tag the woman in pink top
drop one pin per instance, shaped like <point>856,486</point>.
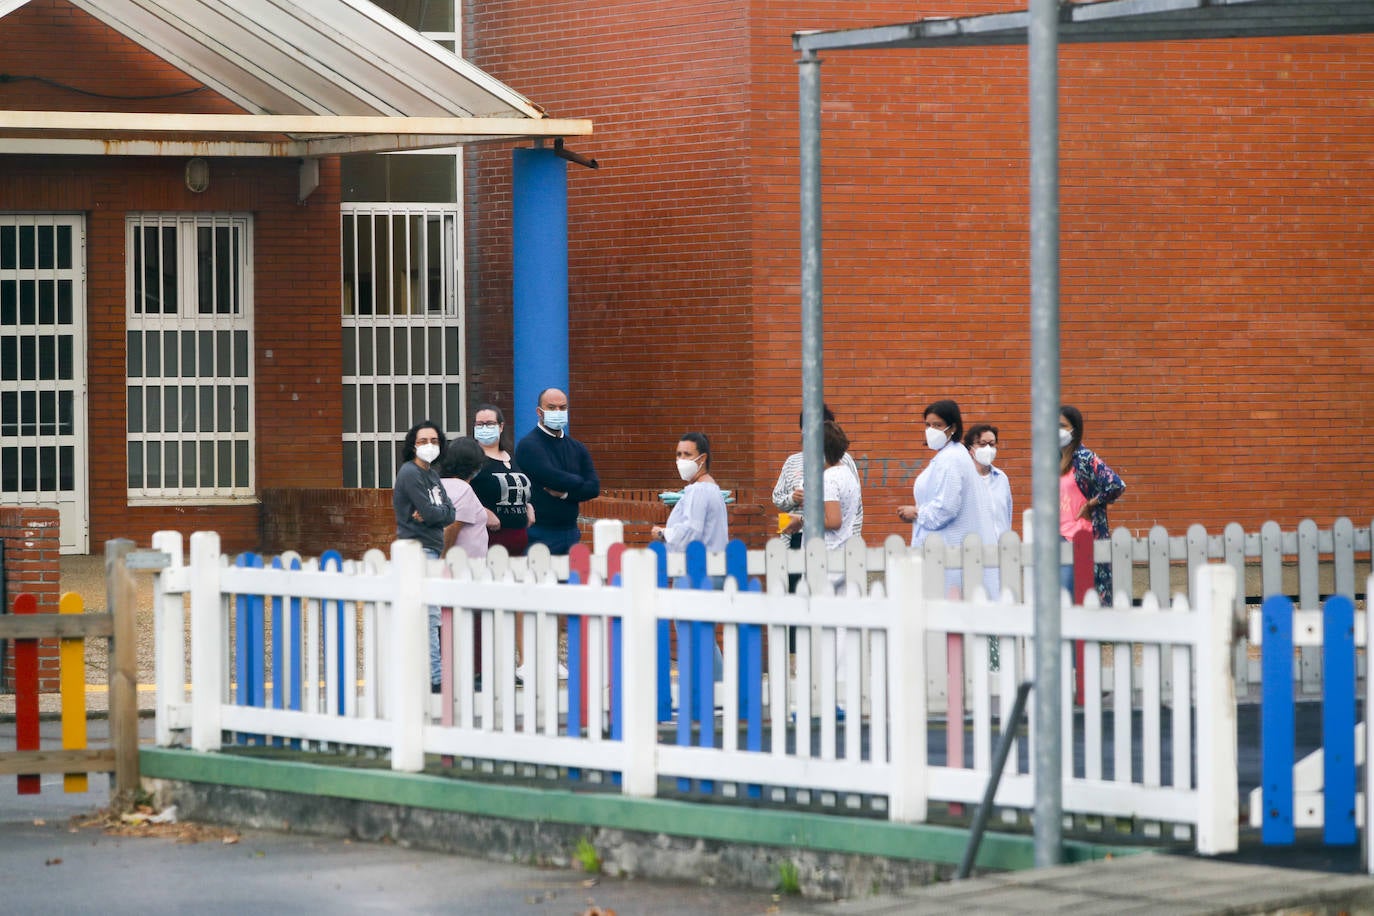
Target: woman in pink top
<point>462,460</point>
<point>1086,487</point>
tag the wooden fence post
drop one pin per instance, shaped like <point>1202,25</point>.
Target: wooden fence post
<point>123,604</point>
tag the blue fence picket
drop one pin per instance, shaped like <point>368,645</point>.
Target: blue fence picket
<point>286,652</point>
<point>665,674</point>
<point>574,675</point>
<point>328,559</point>
<point>257,634</point>
<point>1276,720</point>
<point>250,647</point>
<point>686,678</point>
<point>617,681</point>
<point>750,656</point>
<point>1338,722</point>
<point>242,664</point>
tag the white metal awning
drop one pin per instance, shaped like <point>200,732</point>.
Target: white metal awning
<point>314,77</point>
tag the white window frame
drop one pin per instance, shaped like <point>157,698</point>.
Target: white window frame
<point>233,449</point>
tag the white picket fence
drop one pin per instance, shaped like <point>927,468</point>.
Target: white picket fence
<point>363,686</point>
<point>1307,562</point>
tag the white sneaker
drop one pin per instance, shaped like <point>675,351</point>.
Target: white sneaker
<point>562,672</point>
<point>522,673</point>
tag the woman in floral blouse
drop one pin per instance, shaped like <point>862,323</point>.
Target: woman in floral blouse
<point>1086,487</point>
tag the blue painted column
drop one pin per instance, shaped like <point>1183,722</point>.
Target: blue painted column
<point>539,256</point>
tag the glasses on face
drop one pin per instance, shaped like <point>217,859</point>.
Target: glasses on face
<point>486,426</point>
<point>993,443</point>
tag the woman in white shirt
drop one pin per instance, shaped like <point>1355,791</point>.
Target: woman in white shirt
<point>950,500</point>
<point>981,442</point>
<point>842,493</point>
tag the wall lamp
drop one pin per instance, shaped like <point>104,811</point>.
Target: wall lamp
<point>569,155</point>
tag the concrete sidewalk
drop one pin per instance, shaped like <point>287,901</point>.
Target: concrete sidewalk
<point>1144,883</point>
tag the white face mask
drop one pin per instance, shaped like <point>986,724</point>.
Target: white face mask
<point>936,438</point>
<point>687,468</point>
<point>1065,437</point>
<point>427,452</point>
<point>985,455</point>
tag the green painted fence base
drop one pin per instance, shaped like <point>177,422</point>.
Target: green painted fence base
<point>534,824</point>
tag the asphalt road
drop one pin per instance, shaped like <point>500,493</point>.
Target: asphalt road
<point>50,863</point>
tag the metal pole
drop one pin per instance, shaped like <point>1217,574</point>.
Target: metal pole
<point>999,761</point>
<point>813,380</point>
<point>1044,235</point>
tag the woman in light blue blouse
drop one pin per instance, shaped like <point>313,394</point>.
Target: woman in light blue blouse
<point>700,514</point>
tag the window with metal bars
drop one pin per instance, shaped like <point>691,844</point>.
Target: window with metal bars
<point>402,332</point>
<point>189,349</point>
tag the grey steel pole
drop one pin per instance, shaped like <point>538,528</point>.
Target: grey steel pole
<point>813,376</point>
<point>1044,235</point>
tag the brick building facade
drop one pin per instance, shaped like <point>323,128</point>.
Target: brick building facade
<point>1215,250</point>
<point>1215,255</point>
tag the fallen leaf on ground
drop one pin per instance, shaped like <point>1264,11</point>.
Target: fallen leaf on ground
<point>164,826</point>
<point>53,862</point>
<point>39,822</point>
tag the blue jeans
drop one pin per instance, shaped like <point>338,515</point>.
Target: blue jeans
<point>436,666</point>
<point>558,540</point>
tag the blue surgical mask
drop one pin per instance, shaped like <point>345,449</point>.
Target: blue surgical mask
<point>486,433</point>
<point>555,419</point>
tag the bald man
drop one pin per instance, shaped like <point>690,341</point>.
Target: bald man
<point>560,468</point>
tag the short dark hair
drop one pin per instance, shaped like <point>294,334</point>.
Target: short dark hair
<point>836,442</point>
<point>826,414</point>
<point>539,401</point>
<point>463,458</point>
<point>948,411</point>
<point>976,431</point>
<point>702,443</point>
<point>408,447</point>
<point>500,417</point>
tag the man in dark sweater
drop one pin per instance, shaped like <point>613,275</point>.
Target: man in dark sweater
<point>561,470</point>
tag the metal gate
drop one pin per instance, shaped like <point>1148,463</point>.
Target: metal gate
<point>43,367</point>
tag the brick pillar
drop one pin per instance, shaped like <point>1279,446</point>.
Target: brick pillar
<point>32,549</point>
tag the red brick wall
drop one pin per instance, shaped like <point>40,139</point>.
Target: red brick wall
<point>296,269</point>
<point>658,236</point>
<point>313,520</point>
<point>1215,272</point>
<point>32,545</point>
